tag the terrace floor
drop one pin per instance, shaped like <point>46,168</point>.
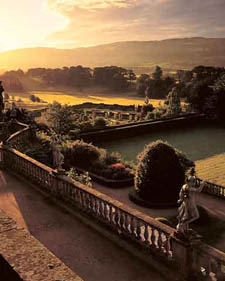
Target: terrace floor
<point>91,255</point>
<point>212,169</point>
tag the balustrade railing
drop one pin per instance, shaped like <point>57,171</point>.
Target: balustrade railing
<point>213,189</point>
<point>208,262</point>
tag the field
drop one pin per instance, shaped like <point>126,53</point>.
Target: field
<point>73,100</point>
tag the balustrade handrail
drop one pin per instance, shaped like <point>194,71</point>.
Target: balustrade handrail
<point>17,135</point>
<point>212,188</point>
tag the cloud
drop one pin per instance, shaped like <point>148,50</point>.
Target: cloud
<point>93,22</point>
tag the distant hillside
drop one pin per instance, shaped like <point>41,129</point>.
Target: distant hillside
<point>171,54</point>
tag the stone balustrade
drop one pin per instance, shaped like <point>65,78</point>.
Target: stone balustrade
<point>208,262</point>
<point>213,189</point>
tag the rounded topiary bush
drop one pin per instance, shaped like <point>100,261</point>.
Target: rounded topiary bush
<point>159,176</point>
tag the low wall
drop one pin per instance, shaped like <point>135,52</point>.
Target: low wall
<point>129,130</point>
<point>23,258</point>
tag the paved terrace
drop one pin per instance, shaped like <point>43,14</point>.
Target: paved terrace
<point>212,169</point>
<point>92,256</point>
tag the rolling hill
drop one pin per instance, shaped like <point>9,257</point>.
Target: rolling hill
<point>171,54</point>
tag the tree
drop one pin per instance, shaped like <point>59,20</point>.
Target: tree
<point>157,75</point>
<point>173,102</point>
<point>199,94</point>
<point>217,101</point>
<point>142,84</point>
<point>59,118</point>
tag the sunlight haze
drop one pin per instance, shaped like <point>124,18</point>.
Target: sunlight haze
<point>79,23</point>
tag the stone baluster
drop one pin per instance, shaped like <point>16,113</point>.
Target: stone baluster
<point>110,214</point>
<point>106,211</point>
<point>132,227</point>
<point>138,229</point>
<point>160,241</point>
<point>126,222</point>
<point>167,246</point>
<point>146,234</point>
<point>122,220</point>
<point>116,217</point>
<point>101,209</point>
<point>152,239</point>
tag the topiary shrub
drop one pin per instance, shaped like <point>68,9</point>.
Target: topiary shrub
<point>159,175</point>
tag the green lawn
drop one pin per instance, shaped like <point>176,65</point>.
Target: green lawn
<point>197,142</point>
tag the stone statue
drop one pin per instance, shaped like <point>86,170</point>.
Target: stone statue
<point>58,157</point>
<point>188,210</point>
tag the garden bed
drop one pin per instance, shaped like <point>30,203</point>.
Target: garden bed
<point>108,182</point>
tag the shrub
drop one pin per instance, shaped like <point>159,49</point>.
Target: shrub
<point>117,172</point>
<point>149,116</point>
<point>114,157</point>
<point>82,154</point>
<point>83,178</point>
<point>100,123</point>
<point>147,108</point>
<point>159,175</point>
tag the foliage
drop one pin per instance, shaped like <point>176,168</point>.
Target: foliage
<point>82,154</point>
<point>59,118</point>
<point>114,77</point>
<point>147,108</point>
<point>159,175</point>
<point>173,102</point>
<point>100,123</point>
<point>83,178</point>
<point>117,171</point>
<point>157,75</point>
<point>113,158</point>
<point>218,99</point>
<point>155,87</point>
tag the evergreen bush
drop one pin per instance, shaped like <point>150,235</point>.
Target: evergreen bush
<point>159,175</point>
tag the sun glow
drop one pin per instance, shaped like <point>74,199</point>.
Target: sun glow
<point>27,23</point>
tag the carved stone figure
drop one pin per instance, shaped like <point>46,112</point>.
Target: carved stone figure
<point>188,210</point>
<point>58,157</point>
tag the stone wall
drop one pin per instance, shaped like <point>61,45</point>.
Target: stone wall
<point>134,129</point>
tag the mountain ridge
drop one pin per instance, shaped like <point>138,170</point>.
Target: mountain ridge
<point>176,53</point>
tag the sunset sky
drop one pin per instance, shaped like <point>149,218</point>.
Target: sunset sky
<point>77,23</point>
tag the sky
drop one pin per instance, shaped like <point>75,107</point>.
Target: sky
<point>80,23</point>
